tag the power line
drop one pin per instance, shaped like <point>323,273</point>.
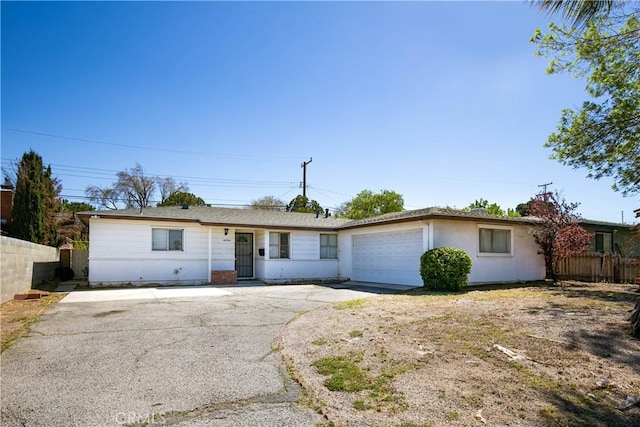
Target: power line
<point>96,173</point>
<point>141,147</point>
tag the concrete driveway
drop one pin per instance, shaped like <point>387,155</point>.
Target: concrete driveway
<point>175,356</point>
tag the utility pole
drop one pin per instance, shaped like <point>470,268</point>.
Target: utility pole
<point>544,191</point>
<point>304,176</point>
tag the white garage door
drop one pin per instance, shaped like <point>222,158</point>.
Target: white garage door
<point>388,257</point>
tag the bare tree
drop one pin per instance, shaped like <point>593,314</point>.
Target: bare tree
<point>106,198</point>
<point>135,187</point>
<point>168,186</point>
<point>268,203</point>
<point>627,245</point>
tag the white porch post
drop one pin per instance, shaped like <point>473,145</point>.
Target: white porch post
<point>427,236</point>
<point>209,256</point>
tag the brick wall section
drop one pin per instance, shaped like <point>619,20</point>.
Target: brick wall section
<point>24,264</point>
<point>224,277</point>
<point>6,205</point>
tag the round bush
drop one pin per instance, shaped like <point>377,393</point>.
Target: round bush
<point>445,269</point>
<point>64,273</point>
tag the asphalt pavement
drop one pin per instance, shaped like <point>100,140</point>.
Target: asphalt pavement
<point>192,356</point>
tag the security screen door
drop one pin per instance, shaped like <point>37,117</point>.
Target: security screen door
<point>244,255</point>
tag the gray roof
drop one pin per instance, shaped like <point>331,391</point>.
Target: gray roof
<point>206,215</point>
<point>438,213</point>
<point>583,221</point>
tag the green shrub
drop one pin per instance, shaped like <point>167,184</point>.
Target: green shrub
<point>445,269</point>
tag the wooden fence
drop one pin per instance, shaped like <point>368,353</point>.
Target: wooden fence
<point>80,263</point>
<point>597,267</point>
<point>77,260</point>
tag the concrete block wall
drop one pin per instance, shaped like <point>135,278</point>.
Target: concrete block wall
<point>24,264</point>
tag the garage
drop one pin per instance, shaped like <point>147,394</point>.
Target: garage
<point>388,257</point>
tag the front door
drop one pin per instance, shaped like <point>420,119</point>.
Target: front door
<point>244,255</point>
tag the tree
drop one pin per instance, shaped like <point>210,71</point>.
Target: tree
<point>302,204</point>
<point>523,208</point>
<point>492,209</point>
<point>135,187</point>
<point>603,135</point>
<point>69,227</point>
<point>168,186</point>
<point>180,198</point>
<point>51,191</point>
<point>367,204</point>
<point>558,235</point>
<point>103,197</point>
<point>513,213</point>
<point>28,204</point>
<point>580,11</point>
<point>73,207</point>
<point>35,202</point>
<point>268,203</point>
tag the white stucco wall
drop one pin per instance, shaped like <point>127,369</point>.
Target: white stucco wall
<point>222,248</point>
<point>523,264</point>
<point>120,253</point>
<point>304,261</point>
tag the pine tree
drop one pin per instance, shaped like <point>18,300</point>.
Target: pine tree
<point>29,200</point>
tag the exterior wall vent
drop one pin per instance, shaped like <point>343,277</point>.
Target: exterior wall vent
<point>185,206</point>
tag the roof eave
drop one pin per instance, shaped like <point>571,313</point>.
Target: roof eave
<point>88,216</point>
<point>430,216</point>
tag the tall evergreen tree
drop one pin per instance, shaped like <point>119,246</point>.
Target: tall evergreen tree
<point>29,206</point>
<point>51,188</point>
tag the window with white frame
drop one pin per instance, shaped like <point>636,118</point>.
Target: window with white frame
<point>278,245</point>
<point>328,246</point>
<point>165,239</point>
<point>494,240</point>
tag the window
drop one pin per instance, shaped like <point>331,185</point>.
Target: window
<point>328,246</point>
<point>163,239</point>
<point>604,241</point>
<point>278,245</point>
<point>495,240</point>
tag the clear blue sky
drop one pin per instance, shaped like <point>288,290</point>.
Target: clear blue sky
<point>442,102</point>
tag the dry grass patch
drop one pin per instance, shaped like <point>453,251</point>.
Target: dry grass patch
<point>427,359</point>
<point>18,316</point>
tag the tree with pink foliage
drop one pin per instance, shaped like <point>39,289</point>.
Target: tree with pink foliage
<point>558,235</point>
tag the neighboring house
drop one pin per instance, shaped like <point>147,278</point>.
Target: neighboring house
<point>611,237</point>
<point>194,245</point>
<point>6,206</point>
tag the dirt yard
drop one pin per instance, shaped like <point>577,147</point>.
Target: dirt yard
<point>523,356</point>
<point>16,317</point>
